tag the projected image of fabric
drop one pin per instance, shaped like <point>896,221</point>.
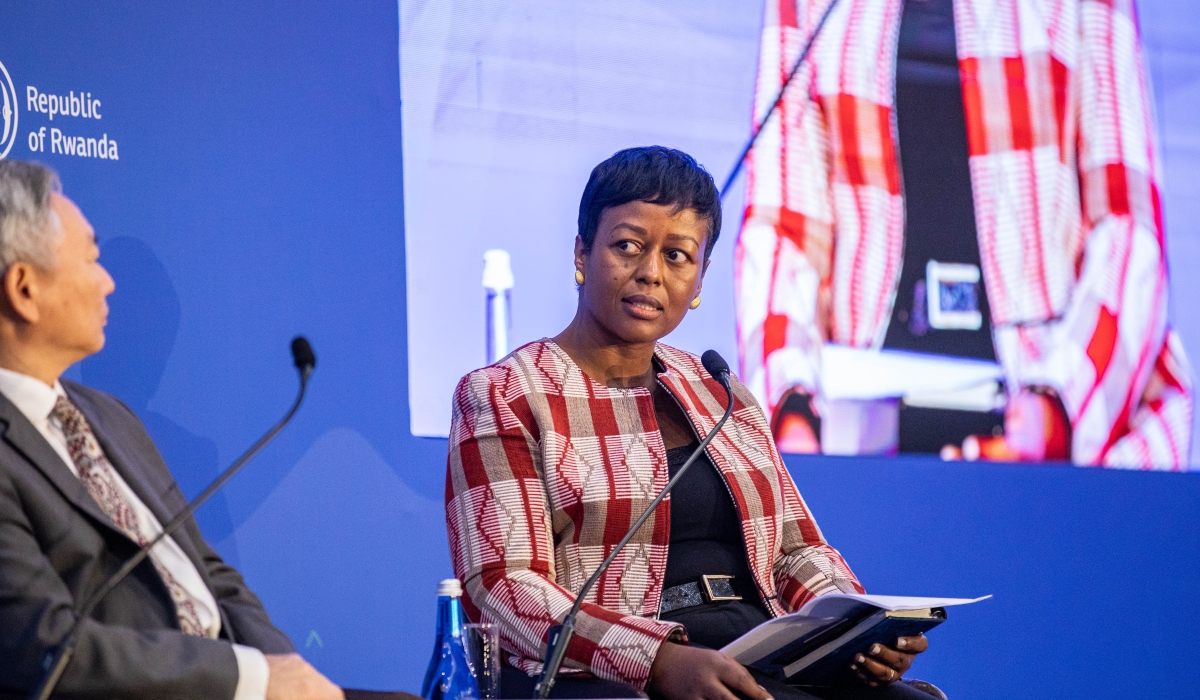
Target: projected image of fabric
<point>1063,171</point>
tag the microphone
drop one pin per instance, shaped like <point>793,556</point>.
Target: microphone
<point>716,365</point>
<point>56,663</point>
<point>560,635</point>
<point>303,357</point>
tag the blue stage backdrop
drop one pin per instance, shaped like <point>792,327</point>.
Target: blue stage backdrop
<point>254,190</point>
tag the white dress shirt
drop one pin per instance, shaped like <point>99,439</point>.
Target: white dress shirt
<point>35,399</point>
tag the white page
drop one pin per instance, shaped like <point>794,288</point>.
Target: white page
<point>821,612</point>
<point>838,604</point>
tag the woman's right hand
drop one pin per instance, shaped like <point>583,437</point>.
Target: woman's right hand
<point>690,673</point>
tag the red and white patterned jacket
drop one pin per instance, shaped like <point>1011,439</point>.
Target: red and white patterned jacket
<point>548,469</point>
<point>1064,170</point>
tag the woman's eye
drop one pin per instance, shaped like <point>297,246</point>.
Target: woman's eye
<point>676,256</point>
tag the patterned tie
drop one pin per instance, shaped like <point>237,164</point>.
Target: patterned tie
<point>100,478</point>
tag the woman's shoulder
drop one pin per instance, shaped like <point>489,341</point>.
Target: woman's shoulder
<point>687,365</point>
<point>505,391</point>
<point>530,368</point>
<point>691,369</point>
<point>682,361</point>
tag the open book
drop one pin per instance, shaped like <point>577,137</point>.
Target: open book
<point>815,644</point>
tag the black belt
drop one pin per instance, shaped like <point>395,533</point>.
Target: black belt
<point>709,589</point>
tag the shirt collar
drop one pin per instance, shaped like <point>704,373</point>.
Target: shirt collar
<point>31,396</point>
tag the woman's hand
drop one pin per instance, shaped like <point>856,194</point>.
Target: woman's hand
<point>882,664</point>
<point>683,672</point>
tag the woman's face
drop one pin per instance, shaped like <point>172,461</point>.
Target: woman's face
<point>645,266</point>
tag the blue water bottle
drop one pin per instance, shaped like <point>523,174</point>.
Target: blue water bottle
<point>449,676</point>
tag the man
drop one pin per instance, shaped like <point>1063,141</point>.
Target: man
<point>1059,257</point>
<point>82,486</point>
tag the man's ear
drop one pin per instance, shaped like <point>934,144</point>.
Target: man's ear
<point>19,290</point>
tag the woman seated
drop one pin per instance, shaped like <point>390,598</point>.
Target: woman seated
<point>556,449</point>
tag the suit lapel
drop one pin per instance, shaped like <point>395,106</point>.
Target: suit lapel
<point>133,469</point>
<point>24,438</point>
<point>126,464</point>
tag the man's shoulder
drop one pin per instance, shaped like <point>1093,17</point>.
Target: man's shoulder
<point>109,416</point>
<point>97,400</point>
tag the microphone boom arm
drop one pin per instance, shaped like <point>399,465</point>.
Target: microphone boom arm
<point>556,650</point>
<point>741,159</point>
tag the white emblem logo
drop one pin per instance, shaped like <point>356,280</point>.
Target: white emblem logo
<point>8,112</point>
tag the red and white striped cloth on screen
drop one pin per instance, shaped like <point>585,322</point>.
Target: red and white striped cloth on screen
<point>1065,172</point>
<point>548,469</point>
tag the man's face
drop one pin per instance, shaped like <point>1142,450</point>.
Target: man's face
<point>72,310</point>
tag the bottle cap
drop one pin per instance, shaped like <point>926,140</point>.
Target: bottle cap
<point>450,587</point>
<point>497,270</point>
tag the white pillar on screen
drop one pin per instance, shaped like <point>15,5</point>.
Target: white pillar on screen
<point>498,281</point>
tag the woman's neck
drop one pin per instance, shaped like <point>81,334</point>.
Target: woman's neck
<point>606,359</point>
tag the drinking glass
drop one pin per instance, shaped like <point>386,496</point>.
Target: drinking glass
<point>483,655</point>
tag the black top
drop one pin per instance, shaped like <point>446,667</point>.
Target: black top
<point>939,209</point>
<point>706,538</point>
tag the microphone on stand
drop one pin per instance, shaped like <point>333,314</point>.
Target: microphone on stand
<point>56,663</point>
<point>560,635</point>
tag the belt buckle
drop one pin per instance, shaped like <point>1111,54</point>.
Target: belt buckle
<point>723,582</point>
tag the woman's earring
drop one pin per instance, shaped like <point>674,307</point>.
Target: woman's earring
<point>695,303</point>
<point>579,277</point>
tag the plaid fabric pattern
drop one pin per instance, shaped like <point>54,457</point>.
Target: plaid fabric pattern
<point>1064,169</point>
<point>548,469</point>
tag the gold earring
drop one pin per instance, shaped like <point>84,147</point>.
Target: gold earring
<point>695,303</point>
<point>579,277</point>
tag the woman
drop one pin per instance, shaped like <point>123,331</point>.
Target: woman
<point>556,449</point>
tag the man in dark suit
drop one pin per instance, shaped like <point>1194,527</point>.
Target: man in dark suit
<point>82,486</point>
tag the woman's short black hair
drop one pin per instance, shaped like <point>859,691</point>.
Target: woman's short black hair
<point>652,174</point>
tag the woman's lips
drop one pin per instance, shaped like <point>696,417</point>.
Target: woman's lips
<point>642,307</point>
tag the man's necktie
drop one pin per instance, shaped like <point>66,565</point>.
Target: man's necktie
<point>100,478</point>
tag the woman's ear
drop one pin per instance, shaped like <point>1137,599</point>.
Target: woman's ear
<point>580,254</point>
<point>700,282</point>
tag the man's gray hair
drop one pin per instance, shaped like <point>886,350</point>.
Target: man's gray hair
<point>29,227</point>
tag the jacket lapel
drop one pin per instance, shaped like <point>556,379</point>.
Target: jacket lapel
<point>704,405</point>
<point>24,438</point>
<point>126,464</point>
<point>132,468</point>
